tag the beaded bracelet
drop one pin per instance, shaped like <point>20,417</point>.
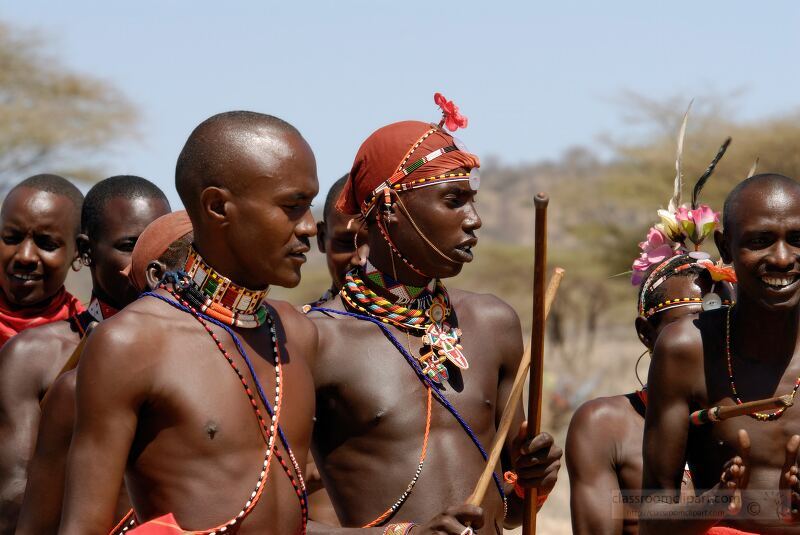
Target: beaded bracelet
<point>403,528</point>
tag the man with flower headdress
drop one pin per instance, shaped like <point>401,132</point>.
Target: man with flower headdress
<point>604,442</point>
<point>412,376</point>
<point>742,353</point>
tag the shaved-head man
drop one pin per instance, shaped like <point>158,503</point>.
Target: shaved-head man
<point>747,352</point>
<point>211,424</point>
<point>40,219</point>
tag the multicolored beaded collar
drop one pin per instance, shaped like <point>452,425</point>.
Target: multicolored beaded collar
<point>217,296</point>
<point>441,341</point>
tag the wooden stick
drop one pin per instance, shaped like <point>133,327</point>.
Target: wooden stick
<point>723,412</point>
<point>510,409</point>
<point>540,202</point>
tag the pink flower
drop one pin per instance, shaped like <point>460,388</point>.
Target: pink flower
<point>704,221</point>
<point>450,114</point>
<point>684,218</point>
<point>655,250</point>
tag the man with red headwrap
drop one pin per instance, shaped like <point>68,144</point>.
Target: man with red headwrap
<point>412,377</point>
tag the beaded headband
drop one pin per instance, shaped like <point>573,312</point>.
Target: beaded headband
<point>220,289</point>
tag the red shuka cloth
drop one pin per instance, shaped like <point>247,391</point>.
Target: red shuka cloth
<point>163,525</point>
<point>13,321</point>
<point>722,530</point>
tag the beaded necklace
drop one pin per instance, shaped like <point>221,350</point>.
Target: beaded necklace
<point>217,296</point>
<point>761,416</point>
<point>418,296</point>
<point>441,341</point>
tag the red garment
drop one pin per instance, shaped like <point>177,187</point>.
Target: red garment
<point>12,321</point>
<point>722,530</point>
<point>383,152</point>
<point>163,525</point>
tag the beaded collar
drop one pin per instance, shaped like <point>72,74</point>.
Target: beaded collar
<point>441,341</point>
<point>221,289</point>
<point>420,297</point>
<point>219,297</point>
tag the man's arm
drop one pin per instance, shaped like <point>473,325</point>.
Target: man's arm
<point>41,508</point>
<point>111,385</point>
<point>593,480</point>
<point>676,364</point>
<point>19,417</point>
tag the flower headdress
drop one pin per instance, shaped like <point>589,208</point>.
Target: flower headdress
<point>682,223</point>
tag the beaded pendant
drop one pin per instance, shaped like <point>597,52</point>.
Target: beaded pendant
<point>441,343</point>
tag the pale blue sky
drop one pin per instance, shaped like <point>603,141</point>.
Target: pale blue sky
<point>533,77</point>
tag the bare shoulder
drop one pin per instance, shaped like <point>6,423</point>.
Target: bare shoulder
<point>145,329</point>
<point>491,309</point>
<point>602,413</point>
<point>681,342</point>
<point>33,356</point>
<point>291,317</point>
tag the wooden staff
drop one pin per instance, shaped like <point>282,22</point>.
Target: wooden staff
<point>537,346</point>
<point>723,412</point>
<point>509,411</point>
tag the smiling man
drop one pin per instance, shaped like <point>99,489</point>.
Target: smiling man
<point>116,210</point>
<point>40,220</point>
<point>747,352</point>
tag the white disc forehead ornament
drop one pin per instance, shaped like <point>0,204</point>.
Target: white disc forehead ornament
<point>474,173</point>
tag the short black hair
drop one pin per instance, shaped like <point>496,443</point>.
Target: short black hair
<point>57,185</point>
<point>333,196</point>
<point>763,178</point>
<point>203,160</point>
<point>121,186</point>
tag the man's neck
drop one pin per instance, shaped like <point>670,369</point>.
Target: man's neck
<point>769,335</point>
<point>224,265</point>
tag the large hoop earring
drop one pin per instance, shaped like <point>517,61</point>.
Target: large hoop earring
<point>77,264</point>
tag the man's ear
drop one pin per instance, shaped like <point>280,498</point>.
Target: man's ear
<point>721,240</point>
<point>646,332</point>
<point>216,205</point>
<point>83,250</point>
<point>321,236</point>
<point>154,273</point>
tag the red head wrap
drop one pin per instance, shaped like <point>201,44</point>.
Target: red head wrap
<point>395,147</point>
<point>154,242</point>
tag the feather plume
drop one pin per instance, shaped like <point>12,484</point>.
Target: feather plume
<point>675,201</point>
<point>753,168</point>
<point>698,187</point>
